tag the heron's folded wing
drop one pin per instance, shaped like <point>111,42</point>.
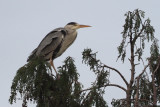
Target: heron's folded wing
<point>50,42</point>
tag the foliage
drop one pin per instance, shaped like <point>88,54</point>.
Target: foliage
<point>145,91</point>
<point>135,28</point>
<point>141,91</point>
<point>98,68</point>
<point>35,83</point>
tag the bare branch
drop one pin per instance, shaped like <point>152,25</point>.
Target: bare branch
<point>118,73</point>
<point>114,85</point>
<point>143,71</point>
<point>157,66</point>
<point>136,64</point>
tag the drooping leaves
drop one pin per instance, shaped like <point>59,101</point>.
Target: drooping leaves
<point>135,28</point>
<point>35,83</point>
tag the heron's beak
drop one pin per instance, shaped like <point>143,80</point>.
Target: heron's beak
<point>82,26</point>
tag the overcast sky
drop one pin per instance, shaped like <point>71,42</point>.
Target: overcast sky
<point>24,23</point>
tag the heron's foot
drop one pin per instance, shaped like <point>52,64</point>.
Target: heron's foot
<point>57,76</point>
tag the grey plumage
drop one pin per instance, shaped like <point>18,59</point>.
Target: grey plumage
<point>51,44</point>
<point>56,42</point>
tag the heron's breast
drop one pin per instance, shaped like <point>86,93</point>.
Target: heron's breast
<point>68,40</point>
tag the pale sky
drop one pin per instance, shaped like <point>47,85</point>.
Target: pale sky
<point>23,24</point>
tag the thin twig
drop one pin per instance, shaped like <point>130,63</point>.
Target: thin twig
<point>143,71</point>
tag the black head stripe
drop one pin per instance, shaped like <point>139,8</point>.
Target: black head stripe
<point>72,23</point>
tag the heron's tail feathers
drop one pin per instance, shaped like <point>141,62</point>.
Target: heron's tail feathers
<point>33,55</point>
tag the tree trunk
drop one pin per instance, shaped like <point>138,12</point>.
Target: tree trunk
<point>128,97</point>
<point>154,91</point>
<point>129,88</point>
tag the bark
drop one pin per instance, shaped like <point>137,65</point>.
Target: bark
<point>132,43</point>
<point>154,91</point>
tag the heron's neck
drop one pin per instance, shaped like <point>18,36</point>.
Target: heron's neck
<point>70,31</point>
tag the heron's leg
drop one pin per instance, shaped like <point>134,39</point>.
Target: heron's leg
<point>51,62</point>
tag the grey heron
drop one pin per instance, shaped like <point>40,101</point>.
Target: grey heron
<point>56,42</point>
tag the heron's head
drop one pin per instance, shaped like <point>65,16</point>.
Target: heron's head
<point>75,26</point>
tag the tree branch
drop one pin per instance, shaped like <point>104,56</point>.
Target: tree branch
<point>114,85</point>
<point>157,66</point>
<point>143,71</point>
<point>139,34</point>
<point>118,73</point>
